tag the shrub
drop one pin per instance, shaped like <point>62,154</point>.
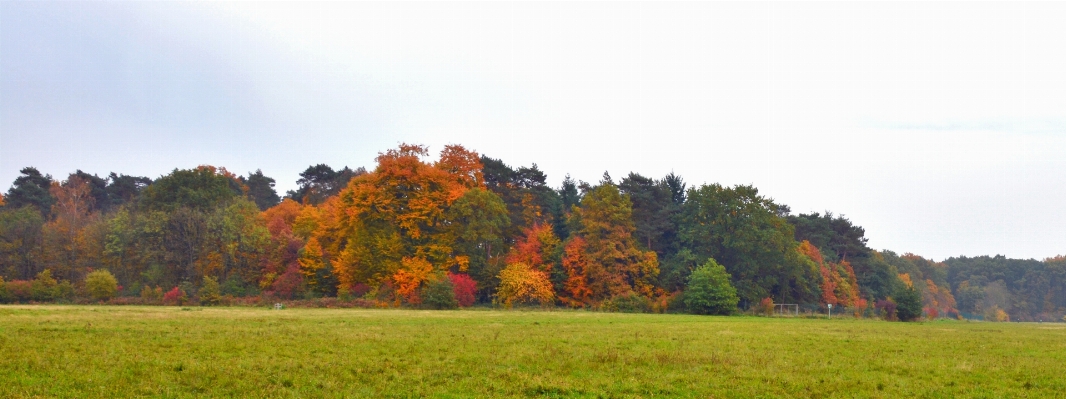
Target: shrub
<point>709,290</point>
<point>439,294</point>
<point>175,297</point>
<point>465,289</point>
<point>209,292</point>
<point>908,304</point>
<point>234,285</point>
<point>5,295</point>
<point>931,313</point>
<point>101,285</point>
<point>765,307</point>
<point>152,296</point>
<point>886,308</point>
<point>631,303</point>
<point>42,287</point>
<point>676,302</point>
<point>20,290</point>
<point>290,284</point>
<point>994,313</point>
<point>64,291</point>
<point>520,283</point>
<point>359,290</point>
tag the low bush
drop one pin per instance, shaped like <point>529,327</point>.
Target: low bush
<point>64,291</point>
<point>439,294</point>
<point>152,296</point>
<point>101,285</point>
<point>765,307</point>
<point>631,303</point>
<point>5,295</point>
<point>20,290</point>
<point>175,297</point>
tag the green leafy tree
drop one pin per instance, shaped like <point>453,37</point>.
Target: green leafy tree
<point>101,285</point>
<point>439,294</point>
<point>709,290</point>
<point>748,234</point>
<point>908,303</point>
<point>478,221</point>
<point>198,189</point>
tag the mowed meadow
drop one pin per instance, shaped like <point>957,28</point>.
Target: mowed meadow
<point>111,351</point>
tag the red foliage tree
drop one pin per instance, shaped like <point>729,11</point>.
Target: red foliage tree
<point>464,287</point>
<point>174,297</point>
<point>289,284</point>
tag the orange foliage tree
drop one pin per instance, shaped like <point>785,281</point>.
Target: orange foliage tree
<point>282,254</point>
<point>839,285</point>
<point>612,265</point>
<point>393,224</point>
<point>937,300</point>
<point>536,248</point>
<point>576,263</point>
<point>64,234</point>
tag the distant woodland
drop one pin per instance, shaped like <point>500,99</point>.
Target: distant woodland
<point>462,229</point>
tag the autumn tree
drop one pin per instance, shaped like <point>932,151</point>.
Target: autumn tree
<point>539,248</point>
<point>63,234</point>
<point>522,284</point>
<point>394,224</point>
<point>838,282</point>
<point>615,264</point>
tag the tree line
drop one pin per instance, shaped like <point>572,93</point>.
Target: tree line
<point>464,228</point>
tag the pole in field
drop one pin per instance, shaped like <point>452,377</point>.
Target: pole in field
<point>830,310</point>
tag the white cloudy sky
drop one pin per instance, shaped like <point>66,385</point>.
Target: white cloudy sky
<point>940,128</point>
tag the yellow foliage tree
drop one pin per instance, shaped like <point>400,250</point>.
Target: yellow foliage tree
<point>520,283</point>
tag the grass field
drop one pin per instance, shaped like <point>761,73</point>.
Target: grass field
<point>86,351</point>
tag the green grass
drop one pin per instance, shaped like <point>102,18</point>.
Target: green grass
<point>89,351</point>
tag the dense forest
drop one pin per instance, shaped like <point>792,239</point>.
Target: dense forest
<point>466,229</point>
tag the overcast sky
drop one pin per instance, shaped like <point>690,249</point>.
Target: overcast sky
<point>939,128</point>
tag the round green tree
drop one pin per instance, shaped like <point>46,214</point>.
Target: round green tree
<point>439,294</point>
<point>709,290</point>
<point>908,304</point>
<point>101,285</point>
